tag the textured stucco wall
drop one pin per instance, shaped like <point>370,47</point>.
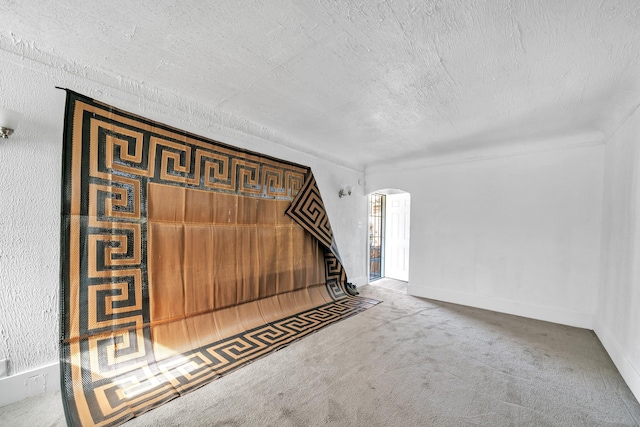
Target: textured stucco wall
<point>30,176</point>
<point>30,219</point>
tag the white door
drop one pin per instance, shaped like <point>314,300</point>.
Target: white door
<point>396,264</point>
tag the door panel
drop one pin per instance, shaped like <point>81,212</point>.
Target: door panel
<point>396,264</point>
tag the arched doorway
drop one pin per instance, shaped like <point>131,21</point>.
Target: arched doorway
<point>389,234</point>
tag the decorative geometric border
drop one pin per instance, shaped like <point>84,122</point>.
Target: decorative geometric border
<point>109,373</point>
<point>308,210</point>
<point>162,381</point>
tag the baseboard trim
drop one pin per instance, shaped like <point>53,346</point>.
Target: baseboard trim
<point>629,372</point>
<point>517,308</point>
<point>30,383</point>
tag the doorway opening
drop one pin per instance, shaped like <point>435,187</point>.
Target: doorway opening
<point>376,236</point>
<point>389,235</point>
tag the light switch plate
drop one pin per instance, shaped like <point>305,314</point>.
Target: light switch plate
<point>4,368</point>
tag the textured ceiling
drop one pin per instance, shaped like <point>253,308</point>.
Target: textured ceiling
<point>364,82</point>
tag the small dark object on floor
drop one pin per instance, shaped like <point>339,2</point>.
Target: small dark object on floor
<point>351,289</point>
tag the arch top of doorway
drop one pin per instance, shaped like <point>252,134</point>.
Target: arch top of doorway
<point>389,234</point>
<point>389,191</point>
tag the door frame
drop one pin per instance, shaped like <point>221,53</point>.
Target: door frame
<point>384,192</point>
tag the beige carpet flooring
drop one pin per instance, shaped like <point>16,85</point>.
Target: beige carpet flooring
<point>406,362</point>
<point>390,284</point>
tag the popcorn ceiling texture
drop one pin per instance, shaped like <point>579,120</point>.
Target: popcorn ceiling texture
<point>362,83</point>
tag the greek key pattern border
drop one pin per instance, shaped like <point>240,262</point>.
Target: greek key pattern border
<point>108,367</point>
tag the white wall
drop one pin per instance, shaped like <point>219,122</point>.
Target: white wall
<point>617,320</point>
<point>517,234</point>
<point>30,182</point>
<point>553,235</point>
